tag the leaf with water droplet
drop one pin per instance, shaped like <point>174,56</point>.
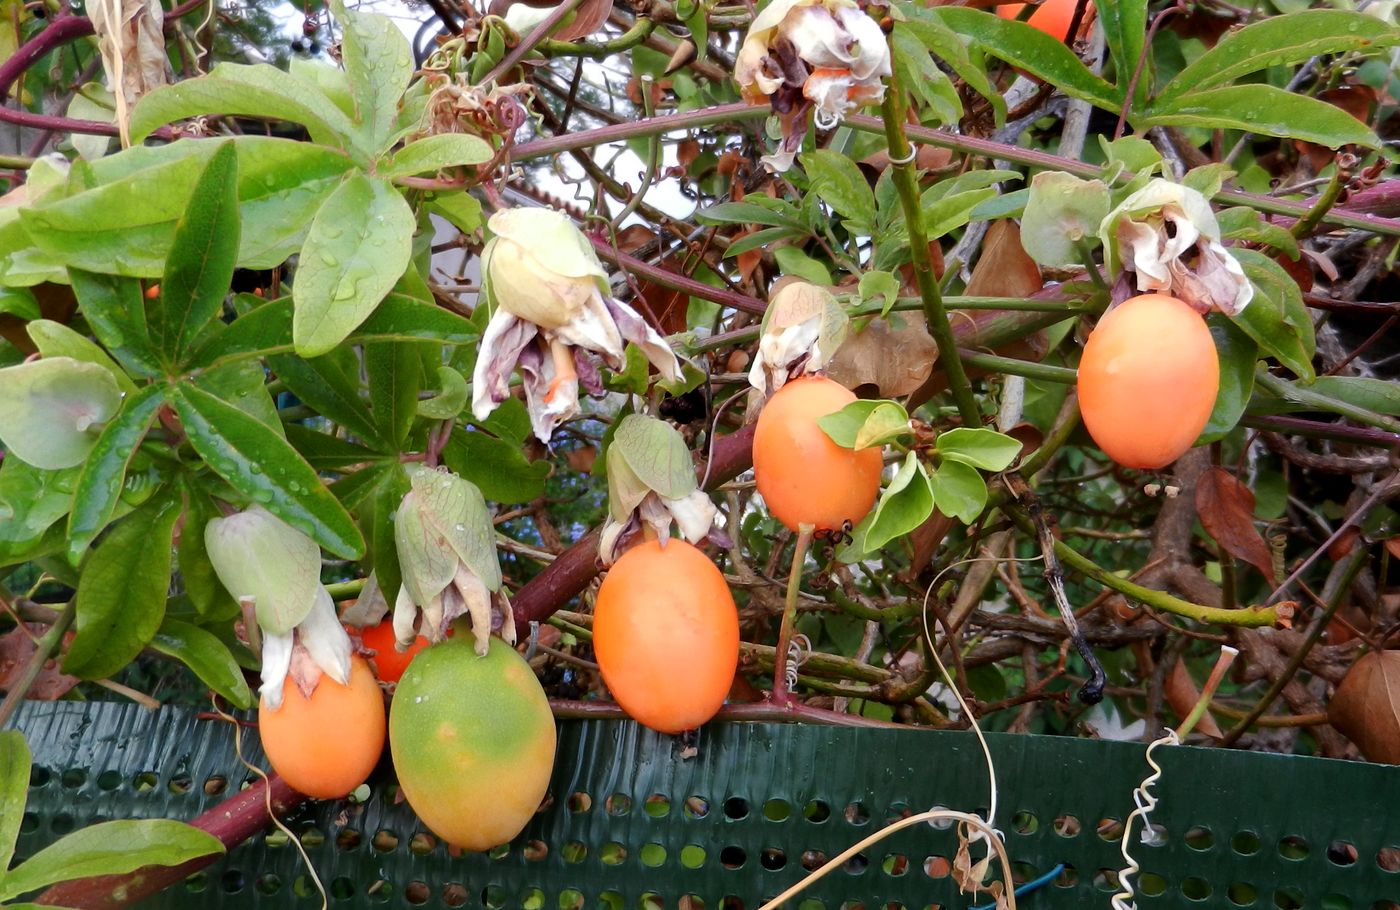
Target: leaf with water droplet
<point>344,277</point>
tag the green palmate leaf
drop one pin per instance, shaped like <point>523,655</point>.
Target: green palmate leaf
<point>259,90</point>
<point>460,208</point>
<point>451,398</point>
<point>31,501</point>
<point>115,312</point>
<point>123,227</point>
<point>264,467</point>
<point>435,153</point>
<point>15,764</point>
<point>52,409</point>
<point>959,491</point>
<point>207,656</point>
<point>267,330</point>
<point>979,447</point>
<point>840,184</point>
<point>1281,41</point>
<point>914,67</point>
<point>331,386</point>
<point>498,467</point>
<point>122,590</point>
<point>1262,109</point>
<point>1237,353</point>
<point>759,240</point>
<point>201,584</point>
<point>380,519</point>
<point>101,477</point>
<point>395,373</point>
<point>952,212</point>
<point>379,64</point>
<point>243,385</point>
<point>904,505</point>
<point>19,302</point>
<point>750,211</point>
<point>1124,25</point>
<point>1062,212</point>
<point>1032,51</point>
<point>865,423</point>
<point>948,47</point>
<point>110,848</point>
<point>793,261</point>
<point>333,81</point>
<point>1241,223</point>
<point>202,257</point>
<point>360,243</point>
<point>325,452</point>
<point>1277,317</point>
<point>1379,395</point>
<point>54,339</point>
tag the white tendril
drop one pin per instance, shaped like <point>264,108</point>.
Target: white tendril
<point>1146,801</point>
<point>798,649</point>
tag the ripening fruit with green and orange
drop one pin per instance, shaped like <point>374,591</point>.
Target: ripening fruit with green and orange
<point>803,476</point>
<point>1148,380</point>
<point>326,745</point>
<point>666,635</point>
<point>473,741</point>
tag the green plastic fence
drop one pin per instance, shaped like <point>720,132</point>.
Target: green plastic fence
<point>631,824</point>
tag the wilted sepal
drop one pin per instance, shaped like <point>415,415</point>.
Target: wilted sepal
<point>801,54</point>
<point>51,410</point>
<point>319,644</point>
<point>1062,212</point>
<point>551,298</point>
<point>1189,261</point>
<point>260,558</point>
<point>802,328</point>
<point>369,609</point>
<point>447,552</point>
<point>651,483</point>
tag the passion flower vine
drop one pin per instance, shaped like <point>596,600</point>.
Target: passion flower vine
<point>552,304</point>
<point>274,571</point>
<point>822,55</point>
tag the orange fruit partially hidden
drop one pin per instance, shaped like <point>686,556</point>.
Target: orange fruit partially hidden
<point>473,741</point>
<point>803,476</point>
<point>1053,17</point>
<point>1148,379</point>
<point>666,635</point>
<point>389,663</point>
<point>326,745</point>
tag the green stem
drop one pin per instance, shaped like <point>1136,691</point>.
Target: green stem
<point>780,694</point>
<point>1290,391</point>
<point>1067,423</point>
<point>907,184</point>
<point>43,652</point>
<point>1334,601</point>
<point>626,41</point>
<point>1247,617</point>
<point>17,162</point>
<point>1043,371</point>
<point>341,590</point>
<point>1309,222</point>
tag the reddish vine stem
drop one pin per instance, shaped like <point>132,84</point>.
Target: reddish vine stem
<point>675,281</point>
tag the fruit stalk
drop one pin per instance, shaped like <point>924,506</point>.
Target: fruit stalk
<point>232,821</point>
<point>906,184</point>
<point>781,695</point>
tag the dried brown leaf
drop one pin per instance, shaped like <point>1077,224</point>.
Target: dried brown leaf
<point>16,651</point>
<point>1182,695</point>
<point>1004,269</point>
<point>1366,706</point>
<point>1393,545</point>
<point>894,359</point>
<point>131,38</point>
<point>1226,509</point>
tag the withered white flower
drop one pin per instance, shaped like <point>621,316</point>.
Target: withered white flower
<point>447,555</point>
<point>802,328</point>
<point>551,298</point>
<point>825,55</point>
<point>274,571</point>
<point>1166,233</point>
<point>651,483</point>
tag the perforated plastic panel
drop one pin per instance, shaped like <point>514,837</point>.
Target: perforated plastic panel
<point>630,824</point>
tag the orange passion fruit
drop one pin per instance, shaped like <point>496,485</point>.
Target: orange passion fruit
<point>388,662</point>
<point>803,476</point>
<point>326,745</point>
<point>1148,379</point>
<point>1053,17</point>
<point>473,741</point>
<point>666,635</point>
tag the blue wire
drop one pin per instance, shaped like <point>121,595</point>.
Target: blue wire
<point>1030,886</point>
